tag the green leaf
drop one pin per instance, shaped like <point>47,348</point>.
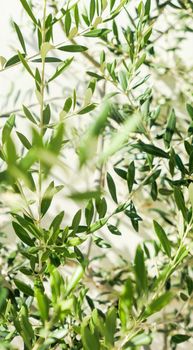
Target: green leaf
<point>189,283</point>
<point>170,128</point>
<point>89,212</point>
<point>90,341</point>
<point>47,198</point>
<point>11,151</point>
<point>74,280</point>
<point>131,175</point>
<point>3,297</point>
<point>57,221</point>
<point>119,138</point>
<point>2,62</point>
<point>101,207</point>
<point>45,48</point>
<point>76,220</point>
<point>43,304</point>
<point>22,234</point>
<point>76,15</point>
<point>67,104</point>
<point>95,33</point>
<point>126,301</point>
<point>12,61</point>
<point>60,69</point>
<point>88,144</point>
<point>112,3</point>
<point>159,303</point>
<point>92,9</point>
<point>140,270</point>
<point>191,163</point>
<point>123,80</point>
<point>138,340</point>
<point>73,48</point>
<point>25,64</point>
<point>20,37</point>
<point>190,190</point>
<point>163,238</point>
<point>87,109</point>
<point>24,140</point>
<point>189,110</point>
<point>180,338</point>
<point>23,287</point>
<point>97,225</point>
<point>28,10</point>
<point>179,199</point>
<point>120,172</point>
<point>151,149</point>
<point>147,7</point>
<point>27,332</point>
<point>81,196</point>
<point>114,230</point>
<point>112,187</point>
<point>46,116</point>
<point>56,141</point>
<point>67,23</point>
<point>95,75</point>
<point>48,59</point>
<point>110,326</point>
<point>8,128</point>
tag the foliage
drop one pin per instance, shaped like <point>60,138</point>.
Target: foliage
<point>58,289</point>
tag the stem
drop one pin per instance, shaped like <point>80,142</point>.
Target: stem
<point>42,89</point>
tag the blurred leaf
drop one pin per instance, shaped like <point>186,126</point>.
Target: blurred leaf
<point>180,338</point>
<point>110,326</point>
<point>43,303</point>
<point>74,280</point>
<point>3,297</point>
<point>80,196</point>
<point>88,144</point>
<point>159,303</point>
<point>140,270</point>
<point>119,138</point>
<point>8,128</point>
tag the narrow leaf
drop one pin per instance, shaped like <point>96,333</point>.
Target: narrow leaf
<point>28,10</point>
<point>163,238</point>
<point>20,37</point>
<point>112,188</point>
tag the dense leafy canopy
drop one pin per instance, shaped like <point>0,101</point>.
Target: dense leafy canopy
<point>132,144</point>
